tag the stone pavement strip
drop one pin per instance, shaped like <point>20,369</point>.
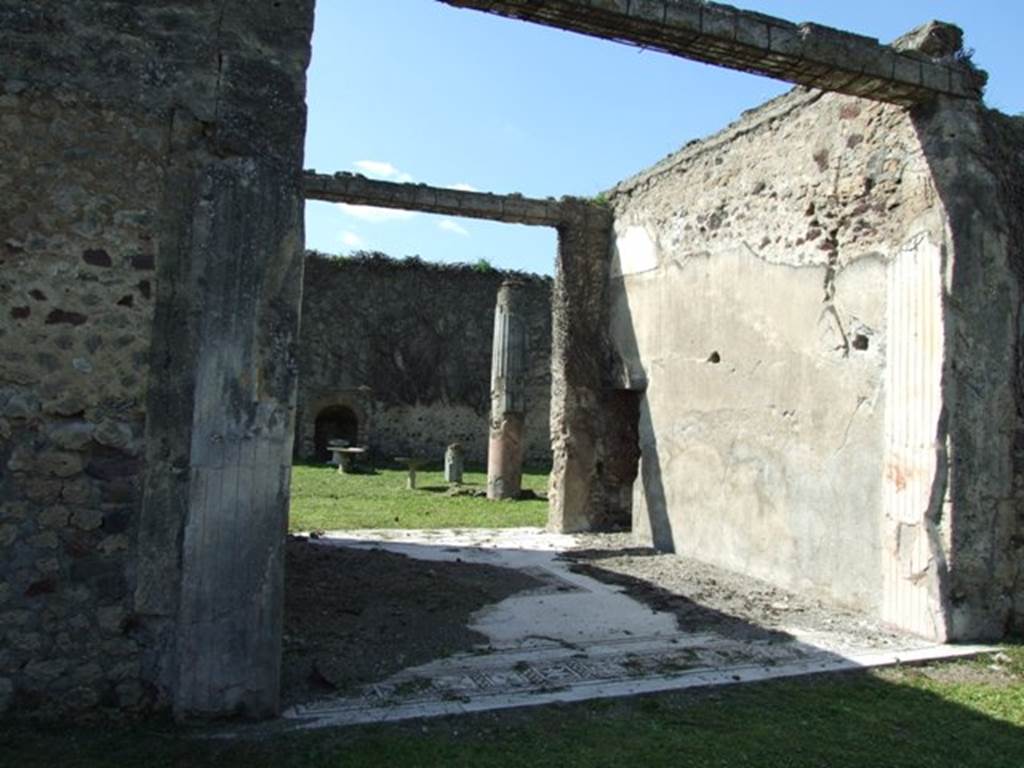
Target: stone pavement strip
<point>576,638</point>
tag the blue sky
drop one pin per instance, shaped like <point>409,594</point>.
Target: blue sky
<point>416,90</point>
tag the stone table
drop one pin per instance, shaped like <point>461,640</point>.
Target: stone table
<point>346,458</point>
<point>412,464</point>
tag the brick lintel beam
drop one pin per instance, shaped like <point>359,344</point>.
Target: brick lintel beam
<point>358,190</point>
<point>806,54</point>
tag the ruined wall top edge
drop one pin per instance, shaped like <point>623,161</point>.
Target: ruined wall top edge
<point>750,120</point>
<point>381,261</point>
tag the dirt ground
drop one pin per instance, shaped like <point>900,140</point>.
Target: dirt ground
<point>357,616</point>
<point>706,598</point>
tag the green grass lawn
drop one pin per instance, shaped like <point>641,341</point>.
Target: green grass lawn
<point>956,714</point>
<point>323,499</point>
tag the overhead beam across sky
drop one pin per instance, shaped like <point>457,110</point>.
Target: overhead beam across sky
<point>358,190</point>
<point>805,54</point>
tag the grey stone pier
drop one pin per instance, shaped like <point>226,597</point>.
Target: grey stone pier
<point>508,396</point>
<point>453,463</point>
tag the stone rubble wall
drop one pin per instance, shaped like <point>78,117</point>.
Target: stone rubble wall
<point>419,337</point>
<point>76,295</point>
<point>779,295</point>
<point>821,306</point>
<point>80,191</point>
<point>977,160</point>
<point>119,121</point>
<point>583,495</point>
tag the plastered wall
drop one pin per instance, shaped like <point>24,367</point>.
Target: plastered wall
<point>784,295</point>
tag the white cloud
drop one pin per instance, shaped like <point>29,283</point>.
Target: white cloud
<point>453,226</point>
<point>351,239</point>
<point>375,215</point>
<point>464,187</point>
<point>381,169</point>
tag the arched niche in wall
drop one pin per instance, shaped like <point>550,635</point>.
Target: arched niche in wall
<point>335,422</point>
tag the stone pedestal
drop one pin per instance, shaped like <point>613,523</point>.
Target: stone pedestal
<point>411,464</point>
<point>508,395</point>
<point>453,463</point>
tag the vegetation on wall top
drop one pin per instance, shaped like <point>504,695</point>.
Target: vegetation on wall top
<point>378,260</point>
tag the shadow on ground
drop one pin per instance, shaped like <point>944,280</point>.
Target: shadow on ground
<point>356,616</point>
<point>861,719</point>
<point>691,616</point>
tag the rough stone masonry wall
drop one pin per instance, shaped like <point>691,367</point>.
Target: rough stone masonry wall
<point>419,336</point>
<point>1005,137</point>
<point>586,428</point>
<point>977,160</point>
<point>79,191</point>
<point>779,295</point>
<point>140,143</point>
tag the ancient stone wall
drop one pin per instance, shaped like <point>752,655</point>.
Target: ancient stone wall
<point>977,160</point>
<point>150,210</point>
<point>584,429</point>
<point>799,299</point>
<point>76,295</point>
<point>1003,138</point>
<point>416,338</point>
